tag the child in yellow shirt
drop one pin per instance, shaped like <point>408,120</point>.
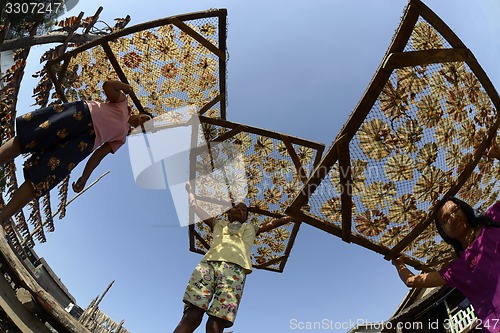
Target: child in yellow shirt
<point>220,276</point>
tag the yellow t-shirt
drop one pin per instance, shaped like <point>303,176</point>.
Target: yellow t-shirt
<point>234,247</point>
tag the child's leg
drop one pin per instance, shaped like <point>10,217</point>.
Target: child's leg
<point>230,281</point>
<point>21,197</point>
<point>215,325</point>
<point>10,150</point>
<point>191,319</point>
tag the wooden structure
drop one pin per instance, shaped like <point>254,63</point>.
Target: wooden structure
<point>97,321</point>
<point>433,309</point>
<point>38,302</point>
<point>44,307</point>
<point>418,133</point>
<point>170,63</point>
<point>276,166</point>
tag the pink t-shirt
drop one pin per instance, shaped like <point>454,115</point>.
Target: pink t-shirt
<point>110,122</point>
<point>476,273</point>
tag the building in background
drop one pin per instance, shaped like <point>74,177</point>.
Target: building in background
<point>428,310</point>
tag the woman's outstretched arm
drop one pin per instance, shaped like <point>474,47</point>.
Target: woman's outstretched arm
<point>423,280</point>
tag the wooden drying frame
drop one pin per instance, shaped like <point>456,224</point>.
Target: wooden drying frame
<point>178,21</point>
<point>234,129</point>
<point>339,151</point>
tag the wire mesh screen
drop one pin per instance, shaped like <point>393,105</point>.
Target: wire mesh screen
<point>425,37</point>
<point>271,179</point>
<point>169,68</point>
<point>169,65</point>
<point>421,132</point>
<point>85,74</point>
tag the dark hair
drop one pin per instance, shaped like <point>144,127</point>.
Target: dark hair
<point>236,204</point>
<point>473,220</point>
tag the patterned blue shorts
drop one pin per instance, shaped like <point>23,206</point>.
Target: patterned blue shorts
<point>58,138</point>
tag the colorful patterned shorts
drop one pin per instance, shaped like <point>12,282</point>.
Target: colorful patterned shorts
<point>58,138</point>
<point>221,281</point>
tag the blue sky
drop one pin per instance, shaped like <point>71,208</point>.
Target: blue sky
<point>297,67</point>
